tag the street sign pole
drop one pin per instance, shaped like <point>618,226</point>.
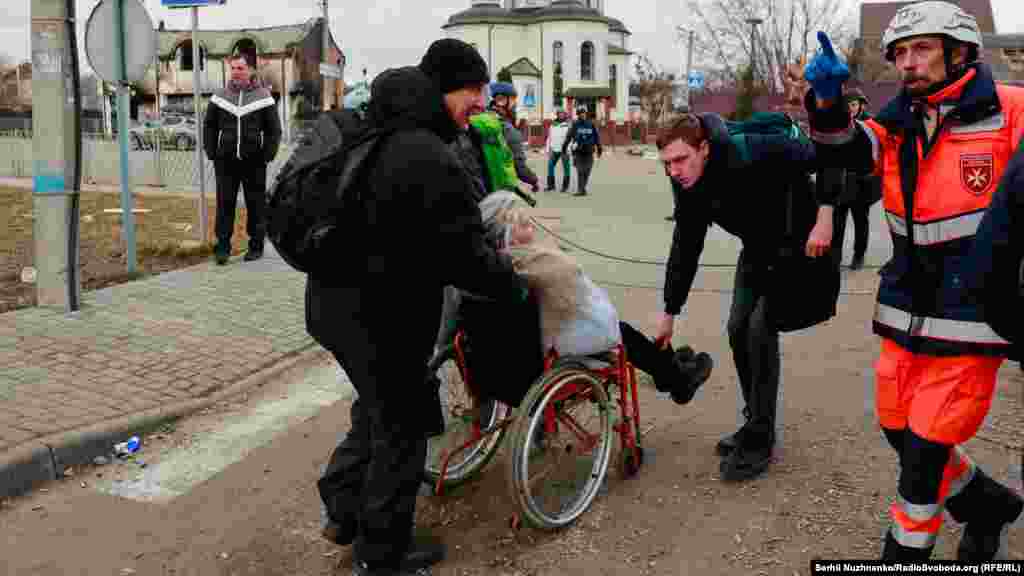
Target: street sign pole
<point>689,68</point>
<point>325,42</point>
<point>123,110</point>
<point>196,93</point>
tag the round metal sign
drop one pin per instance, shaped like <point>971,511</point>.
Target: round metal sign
<point>101,42</point>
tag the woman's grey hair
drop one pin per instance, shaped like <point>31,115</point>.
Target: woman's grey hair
<point>499,211</point>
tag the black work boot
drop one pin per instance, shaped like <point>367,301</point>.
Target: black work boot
<point>693,371</point>
<point>255,251</point>
<point>726,445</point>
<point>989,508</point>
<point>422,554</point>
<point>752,455</point>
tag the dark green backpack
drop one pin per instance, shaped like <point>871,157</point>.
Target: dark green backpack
<point>763,123</point>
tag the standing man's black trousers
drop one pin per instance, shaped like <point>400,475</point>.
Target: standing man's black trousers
<point>584,164</point>
<point>754,339</point>
<point>859,211</point>
<point>251,175</point>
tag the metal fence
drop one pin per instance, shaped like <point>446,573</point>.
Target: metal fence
<point>171,169</point>
<point>176,169</point>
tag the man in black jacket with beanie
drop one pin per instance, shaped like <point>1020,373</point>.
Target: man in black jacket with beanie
<point>379,313</point>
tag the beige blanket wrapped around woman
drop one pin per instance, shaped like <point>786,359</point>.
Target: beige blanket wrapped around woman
<point>553,275</point>
<point>576,316</point>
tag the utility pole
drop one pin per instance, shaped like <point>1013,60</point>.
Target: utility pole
<point>197,91</point>
<point>686,65</point>
<point>55,148</point>
<point>753,21</point>
<point>326,54</point>
<point>157,140</point>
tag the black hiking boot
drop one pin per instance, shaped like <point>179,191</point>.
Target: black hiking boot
<point>422,554</point>
<point>726,445</point>
<point>746,462</point>
<point>694,371</point>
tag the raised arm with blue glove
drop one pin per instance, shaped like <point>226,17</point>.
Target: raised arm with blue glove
<point>826,73</point>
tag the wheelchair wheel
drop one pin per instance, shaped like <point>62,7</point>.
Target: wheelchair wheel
<point>464,418</point>
<point>562,444</point>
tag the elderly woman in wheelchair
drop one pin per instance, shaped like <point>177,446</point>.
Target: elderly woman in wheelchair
<point>563,359</point>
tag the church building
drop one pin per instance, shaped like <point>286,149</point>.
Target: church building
<point>559,53</point>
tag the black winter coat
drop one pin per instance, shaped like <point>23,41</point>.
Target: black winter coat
<point>242,124</point>
<point>746,199</point>
<point>422,232</point>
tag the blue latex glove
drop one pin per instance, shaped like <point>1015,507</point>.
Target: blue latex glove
<point>826,72</point>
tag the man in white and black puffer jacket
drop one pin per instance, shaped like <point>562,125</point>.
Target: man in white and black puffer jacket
<point>241,134</point>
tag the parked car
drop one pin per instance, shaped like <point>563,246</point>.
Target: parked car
<point>180,131</point>
<point>176,132</point>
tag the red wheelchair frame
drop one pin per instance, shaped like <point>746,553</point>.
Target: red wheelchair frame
<point>619,371</point>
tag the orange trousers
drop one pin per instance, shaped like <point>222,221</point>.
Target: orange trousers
<point>940,398</point>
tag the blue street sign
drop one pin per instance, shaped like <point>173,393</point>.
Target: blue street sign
<point>191,3</point>
<point>696,79</point>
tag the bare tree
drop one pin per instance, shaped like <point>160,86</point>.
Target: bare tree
<point>655,86</point>
<point>785,37</point>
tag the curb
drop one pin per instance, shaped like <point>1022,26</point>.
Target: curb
<point>42,460</point>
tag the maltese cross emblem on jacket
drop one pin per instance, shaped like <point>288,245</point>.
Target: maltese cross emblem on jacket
<point>976,172</point>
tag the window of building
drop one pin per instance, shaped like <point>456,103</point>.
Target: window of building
<point>185,56</point>
<point>587,61</point>
<point>556,56</point>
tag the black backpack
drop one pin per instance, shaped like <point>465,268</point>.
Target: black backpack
<point>315,200</point>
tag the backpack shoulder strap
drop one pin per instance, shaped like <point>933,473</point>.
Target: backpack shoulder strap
<point>739,142</point>
<point>358,154</point>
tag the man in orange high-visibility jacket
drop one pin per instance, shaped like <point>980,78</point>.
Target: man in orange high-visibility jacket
<point>940,147</point>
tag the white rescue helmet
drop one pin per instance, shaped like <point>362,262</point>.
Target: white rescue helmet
<point>932,17</point>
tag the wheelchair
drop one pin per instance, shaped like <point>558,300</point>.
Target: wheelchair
<point>561,412</point>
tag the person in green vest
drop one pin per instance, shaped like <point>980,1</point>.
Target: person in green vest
<point>503,96</point>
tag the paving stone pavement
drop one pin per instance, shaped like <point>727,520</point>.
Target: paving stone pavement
<point>177,336</point>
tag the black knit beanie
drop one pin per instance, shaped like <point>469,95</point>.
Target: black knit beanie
<point>453,64</point>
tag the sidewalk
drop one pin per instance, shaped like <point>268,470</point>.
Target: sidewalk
<point>136,355</point>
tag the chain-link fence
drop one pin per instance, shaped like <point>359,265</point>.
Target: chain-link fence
<point>101,163</point>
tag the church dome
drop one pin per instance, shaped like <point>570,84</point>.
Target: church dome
<point>491,12</point>
<point>568,10</point>
<point>482,13</point>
